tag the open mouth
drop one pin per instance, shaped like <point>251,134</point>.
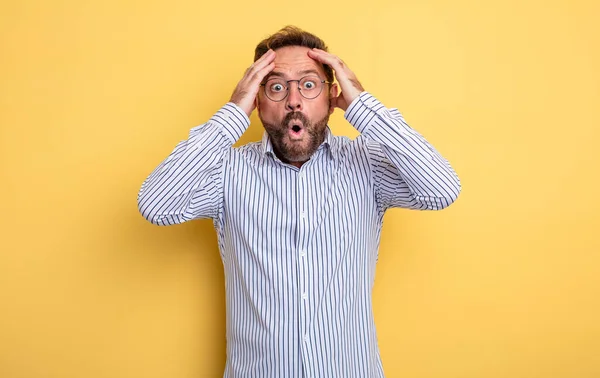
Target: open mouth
<point>296,130</point>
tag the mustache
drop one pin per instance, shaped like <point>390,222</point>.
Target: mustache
<point>295,116</point>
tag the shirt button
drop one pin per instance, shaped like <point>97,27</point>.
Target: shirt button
<point>302,253</point>
<point>305,338</point>
<point>304,296</point>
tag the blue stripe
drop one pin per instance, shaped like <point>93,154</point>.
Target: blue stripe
<point>300,246</point>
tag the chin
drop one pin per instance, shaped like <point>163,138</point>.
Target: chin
<point>296,155</point>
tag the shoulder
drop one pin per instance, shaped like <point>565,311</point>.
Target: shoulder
<point>251,147</point>
<point>359,145</point>
<point>248,153</point>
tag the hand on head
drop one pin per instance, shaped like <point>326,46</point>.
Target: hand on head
<point>247,89</point>
<point>346,79</point>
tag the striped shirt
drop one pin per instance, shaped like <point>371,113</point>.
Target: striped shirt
<point>299,245</point>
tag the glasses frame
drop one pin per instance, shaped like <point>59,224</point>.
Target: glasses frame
<point>287,88</point>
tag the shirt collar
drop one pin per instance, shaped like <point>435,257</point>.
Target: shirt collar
<point>328,143</point>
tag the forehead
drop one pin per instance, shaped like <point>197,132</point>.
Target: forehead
<point>293,60</point>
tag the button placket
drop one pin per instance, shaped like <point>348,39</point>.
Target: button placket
<point>302,261</point>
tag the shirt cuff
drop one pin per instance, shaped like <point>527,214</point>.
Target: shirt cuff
<point>233,120</point>
<point>361,109</point>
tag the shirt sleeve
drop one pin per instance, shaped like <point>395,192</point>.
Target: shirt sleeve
<point>407,170</point>
<point>188,184</point>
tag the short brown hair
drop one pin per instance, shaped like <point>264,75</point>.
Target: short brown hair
<point>292,36</point>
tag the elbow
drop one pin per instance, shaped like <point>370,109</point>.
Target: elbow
<point>148,210</point>
<point>149,216</point>
<point>156,213</point>
<point>450,196</point>
<point>153,217</point>
<point>440,200</point>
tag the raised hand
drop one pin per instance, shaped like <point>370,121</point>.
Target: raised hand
<point>347,80</point>
<point>246,90</point>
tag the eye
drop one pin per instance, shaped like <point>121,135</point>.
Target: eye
<point>309,84</point>
<point>276,87</point>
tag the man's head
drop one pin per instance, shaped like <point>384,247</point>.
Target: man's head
<point>295,119</point>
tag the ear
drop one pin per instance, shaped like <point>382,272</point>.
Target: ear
<point>333,93</point>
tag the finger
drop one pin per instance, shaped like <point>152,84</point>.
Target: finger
<point>326,58</point>
<point>263,61</point>
<point>345,77</point>
<point>342,73</point>
<point>249,84</point>
<point>258,77</point>
<point>257,73</point>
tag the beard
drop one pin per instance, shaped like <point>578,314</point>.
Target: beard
<point>296,151</point>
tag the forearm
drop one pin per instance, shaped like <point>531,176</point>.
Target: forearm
<point>182,186</point>
<point>428,175</point>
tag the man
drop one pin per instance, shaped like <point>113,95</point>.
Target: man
<point>299,215</point>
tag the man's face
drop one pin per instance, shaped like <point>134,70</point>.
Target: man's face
<point>295,124</point>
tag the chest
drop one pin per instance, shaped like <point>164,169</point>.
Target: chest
<point>275,204</point>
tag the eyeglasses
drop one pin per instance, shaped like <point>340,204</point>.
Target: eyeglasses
<point>309,87</point>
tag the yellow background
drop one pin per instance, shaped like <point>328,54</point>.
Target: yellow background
<point>93,95</point>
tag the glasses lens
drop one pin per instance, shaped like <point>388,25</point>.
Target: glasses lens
<point>276,89</point>
<point>310,86</point>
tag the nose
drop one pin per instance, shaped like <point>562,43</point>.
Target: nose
<point>294,98</point>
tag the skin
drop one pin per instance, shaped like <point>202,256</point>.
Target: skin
<point>292,63</point>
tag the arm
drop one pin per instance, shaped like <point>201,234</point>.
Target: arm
<point>407,171</point>
<point>187,184</point>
